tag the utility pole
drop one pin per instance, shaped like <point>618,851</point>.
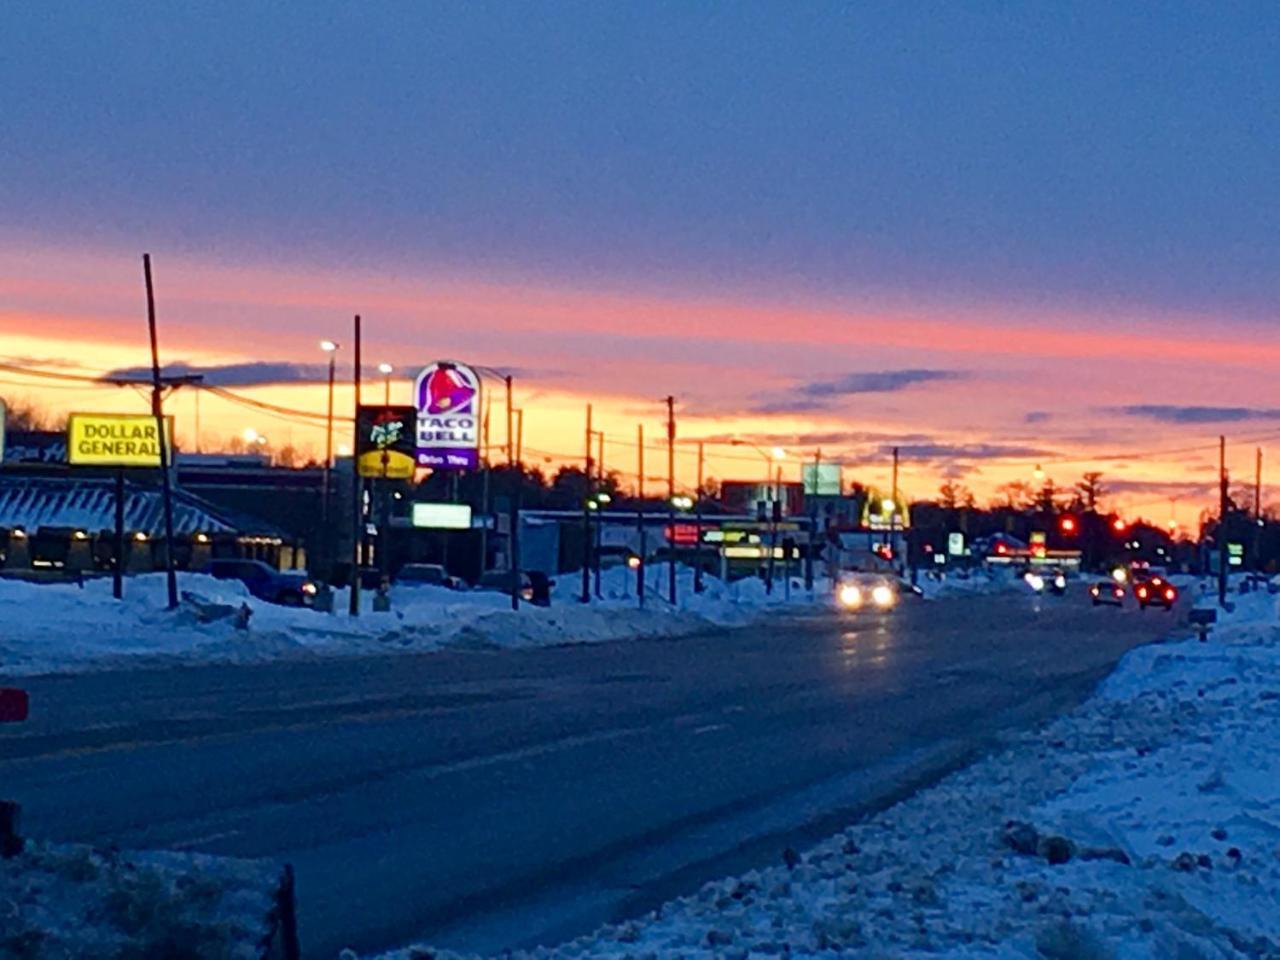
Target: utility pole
<point>157,408</point>
<point>1222,521</point>
<point>513,535</point>
<point>599,509</point>
<point>586,516</point>
<point>644,558</point>
<point>813,523</point>
<point>1257,487</point>
<point>697,518</point>
<point>511,436</point>
<point>893,514</point>
<point>330,348</point>
<point>357,523</point>
<point>671,494</point>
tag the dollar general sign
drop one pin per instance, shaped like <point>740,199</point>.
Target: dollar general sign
<point>115,440</point>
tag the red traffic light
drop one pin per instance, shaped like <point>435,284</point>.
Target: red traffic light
<point>1067,524</point>
<point>1118,525</point>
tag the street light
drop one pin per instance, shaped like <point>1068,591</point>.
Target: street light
<point>331,348</point>
<point>385,369</point>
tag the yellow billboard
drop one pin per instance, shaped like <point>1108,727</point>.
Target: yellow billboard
<point>115,440</point>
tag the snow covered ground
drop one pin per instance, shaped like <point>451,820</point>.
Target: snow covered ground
<point>63,901</point>
<point>57,627</point>
<point>1145,824</point>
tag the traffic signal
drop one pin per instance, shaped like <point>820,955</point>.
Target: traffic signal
<point>1067,524</point>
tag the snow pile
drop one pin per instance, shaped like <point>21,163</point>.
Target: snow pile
<point>977,582</point>
<point>1145,824</point>
<point>51,627</point>
<point>64,901</point>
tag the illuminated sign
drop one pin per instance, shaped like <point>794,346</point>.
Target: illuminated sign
<point>955,544</point>
<point>1235,554</point>
<point>442,516</point>
<point>447,398</point>
<point>682,534</point>
<point>385,439</point>
<point>115,440</point>
<point>821,479</point>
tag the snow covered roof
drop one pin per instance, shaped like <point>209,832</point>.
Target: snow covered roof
<point>33,503</point>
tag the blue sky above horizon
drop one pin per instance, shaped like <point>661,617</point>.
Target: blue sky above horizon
<point>1004,171</point>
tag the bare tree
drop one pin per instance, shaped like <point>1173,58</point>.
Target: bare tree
<point>1091,490</point>
<point>954,495</point>
<point>27,414</point>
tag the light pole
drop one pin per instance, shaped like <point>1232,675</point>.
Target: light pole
<point>385,369</point>
<point>775,506</point>
<point>331,348</point>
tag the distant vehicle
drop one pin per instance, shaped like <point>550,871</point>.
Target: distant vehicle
<point>428,574</point>
<point>500,581</point>
<point>1107,593</point>
<point>1155,592</point>
<point>869,591</point>
<point>265,582</point>
<point>1051,582</point>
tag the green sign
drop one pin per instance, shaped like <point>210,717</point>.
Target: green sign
<point>1235,554</point>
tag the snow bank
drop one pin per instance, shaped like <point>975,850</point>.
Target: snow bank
<point>63,901</point>
<point>1145,824</point>
<point>59,627</point>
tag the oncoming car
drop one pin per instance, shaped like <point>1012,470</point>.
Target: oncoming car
<point>867,592</point>
<point>1155,592</point>
<point>1107,593</point>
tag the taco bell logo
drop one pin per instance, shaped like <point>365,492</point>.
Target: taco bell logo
<point>448,400</point>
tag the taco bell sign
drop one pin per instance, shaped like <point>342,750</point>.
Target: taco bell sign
<point>447,396</point>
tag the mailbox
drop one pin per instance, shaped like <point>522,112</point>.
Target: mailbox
<point>1203,616</point>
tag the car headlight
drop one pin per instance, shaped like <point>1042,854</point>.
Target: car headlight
<point>1060,582</point>
<point>310,589</point>
<point>850,595</point>
<point>882,596</point>
<point>1035,581</point>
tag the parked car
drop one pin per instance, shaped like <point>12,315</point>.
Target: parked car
<point>1107,593</point>
<point>535,587</point>
<point>265,582</point>
<point>428,574</point>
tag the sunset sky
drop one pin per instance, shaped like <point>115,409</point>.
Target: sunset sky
<point>991,234</point>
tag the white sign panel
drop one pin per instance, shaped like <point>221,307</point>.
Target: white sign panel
<point>442,516</point>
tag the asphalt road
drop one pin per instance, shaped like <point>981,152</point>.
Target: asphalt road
<point>484,800</point>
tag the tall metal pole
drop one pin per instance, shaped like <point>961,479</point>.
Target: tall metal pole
<point>517,476</point>
<point>325,508</point>
<point>1257,486</point>
<point>697,523</point>
<point>520,436</point>
<point>599,510</point>
<point>671,495</point>
<point>117,575</point>
<point>157,408</point>
<point>893,514</point>
<point>586,516</point>
<point>640,531</point>
<point>511,436</point>
<point>1222,521</point>
<point>357,523</point>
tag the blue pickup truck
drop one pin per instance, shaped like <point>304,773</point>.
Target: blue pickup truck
<point>265,582</point>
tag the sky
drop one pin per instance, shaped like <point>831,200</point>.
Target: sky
<point>993,235</point>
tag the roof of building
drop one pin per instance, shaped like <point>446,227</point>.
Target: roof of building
<point>34,503</point>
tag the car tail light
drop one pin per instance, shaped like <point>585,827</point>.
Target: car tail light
<point>1142,592</point>
<point>1170,593</point>
<point>1119,593</point>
